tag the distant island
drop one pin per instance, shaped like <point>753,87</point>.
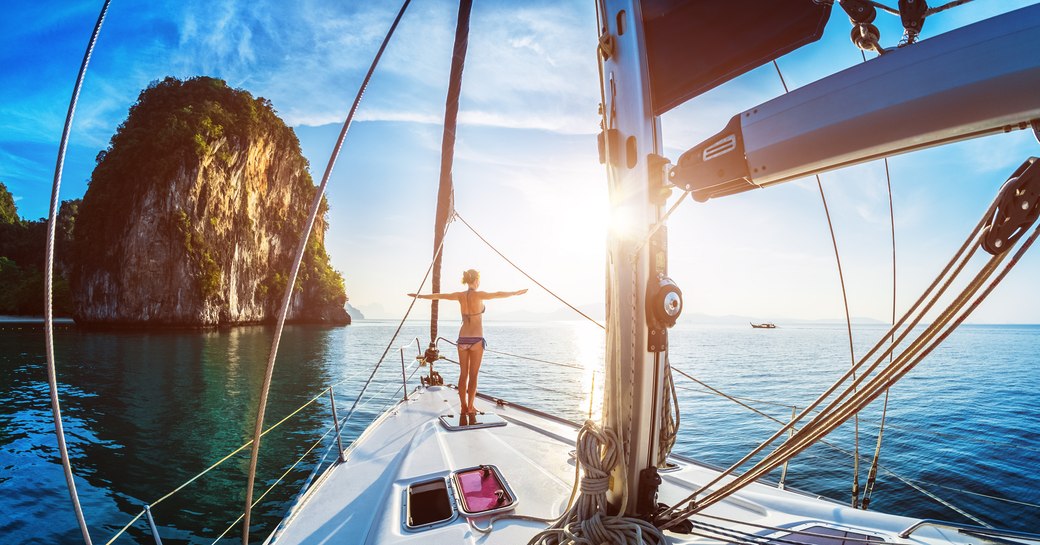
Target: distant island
<point>191,219</point>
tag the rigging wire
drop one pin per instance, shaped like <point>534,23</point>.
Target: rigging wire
<point>944,7</point>
<point>411,305</point>
<point>519,381</point>
<point>319,196</point>
<point>657,226</point>
<point>868,489</point>
<point>528,358</point>
<point>523,272</point>
<point>848,317</point>
<point>840,409</point>
<point>911,429</point>
<point>48,278</point>
<point>913,484</point>
<point>230,455</point>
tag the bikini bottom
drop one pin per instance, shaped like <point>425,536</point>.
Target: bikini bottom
<point>465,343</point>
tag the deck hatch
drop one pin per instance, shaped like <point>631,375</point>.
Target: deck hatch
<point>429,503</point>
<point>483,490</point>
<point>456,422</point>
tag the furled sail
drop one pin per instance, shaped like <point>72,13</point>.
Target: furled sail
<point>695,45</point>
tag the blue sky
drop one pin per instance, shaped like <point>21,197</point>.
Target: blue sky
<point>526,170</point>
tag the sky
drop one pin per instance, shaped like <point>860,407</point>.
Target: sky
<point>526,170</point>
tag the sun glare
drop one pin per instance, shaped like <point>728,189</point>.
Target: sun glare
<point>590,347</point>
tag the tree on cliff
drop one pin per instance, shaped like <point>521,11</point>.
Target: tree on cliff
<point>22,248</point>
<point>193,213</point>
<point>8,211</point>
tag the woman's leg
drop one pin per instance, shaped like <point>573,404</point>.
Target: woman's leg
<point>475,357</point>
<point>464,364</point>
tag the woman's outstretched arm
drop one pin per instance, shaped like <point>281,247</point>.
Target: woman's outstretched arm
<point>449,296</point>
<point>501,294</point>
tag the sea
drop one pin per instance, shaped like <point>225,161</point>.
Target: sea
<point>145,412</point>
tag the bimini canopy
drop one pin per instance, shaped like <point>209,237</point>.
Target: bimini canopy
<point>696,45</point>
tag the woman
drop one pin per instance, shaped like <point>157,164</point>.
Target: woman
<point>471,343</point>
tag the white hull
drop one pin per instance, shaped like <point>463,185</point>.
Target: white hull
<point>362,500</point>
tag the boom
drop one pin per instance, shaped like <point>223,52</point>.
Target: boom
<point>977,80</point>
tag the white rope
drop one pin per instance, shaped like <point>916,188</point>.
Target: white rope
<point>48,279</point>
<point>287,297</point>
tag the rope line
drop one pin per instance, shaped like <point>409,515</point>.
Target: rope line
<point>908,482</point>
<point>888,425</point>
<point>657,226</point>
<point>868,489</point>
<point>841,408</point>
<point>944,7</point>
<point>411,305</point>
<point>523,272</point>
<point>290,285</point>
<point>229,456</point>
<point>48,277</point>
<point>528,358</point>
<point>848,317</point>
<point>275,484</point>
<point>751,399</point>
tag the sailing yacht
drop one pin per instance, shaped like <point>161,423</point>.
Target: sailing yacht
<point>424,473</point>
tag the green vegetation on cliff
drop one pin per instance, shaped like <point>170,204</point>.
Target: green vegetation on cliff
<point>206,182</point>
<point>8,211</point>
<point>22,249</point>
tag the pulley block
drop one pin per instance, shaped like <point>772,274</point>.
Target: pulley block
<point>1018,206</point>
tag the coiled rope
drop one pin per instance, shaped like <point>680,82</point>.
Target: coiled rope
<point>48,278</point>
<point>290,284</point>
<point>598,452</point>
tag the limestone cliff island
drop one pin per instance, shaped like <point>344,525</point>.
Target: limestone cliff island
<point>193,214</point>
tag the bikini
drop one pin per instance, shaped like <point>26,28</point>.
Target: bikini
<point>465,343</point>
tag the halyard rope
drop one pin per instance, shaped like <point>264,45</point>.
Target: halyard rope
<point>48,278</point>
<point>523,272</point>
<point>290,284</point>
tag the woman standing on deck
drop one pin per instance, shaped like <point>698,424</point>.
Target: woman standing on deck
<point>471,342</point>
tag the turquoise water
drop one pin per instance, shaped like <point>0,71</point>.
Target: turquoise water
<point>144,412</point>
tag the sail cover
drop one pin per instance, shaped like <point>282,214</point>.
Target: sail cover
<point>696,45</point>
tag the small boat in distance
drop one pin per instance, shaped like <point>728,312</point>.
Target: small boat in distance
<point>764,325</point>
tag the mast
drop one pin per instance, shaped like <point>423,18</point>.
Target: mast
<point>636,351</point>
<point>445,191</point>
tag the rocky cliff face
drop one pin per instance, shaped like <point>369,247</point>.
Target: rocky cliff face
<point>193,214</point>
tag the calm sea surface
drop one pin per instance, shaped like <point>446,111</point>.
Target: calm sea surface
<point>145,412</point>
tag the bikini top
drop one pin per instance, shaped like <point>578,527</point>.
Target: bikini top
<point>482,309</point>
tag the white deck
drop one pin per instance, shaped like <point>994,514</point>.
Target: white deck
<point>362,500</point>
